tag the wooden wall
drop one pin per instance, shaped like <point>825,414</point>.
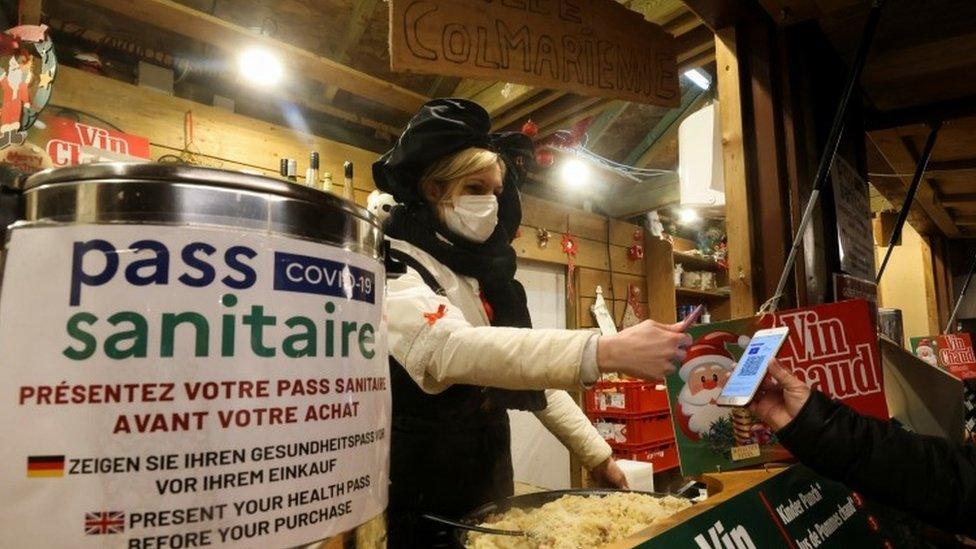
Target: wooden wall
<point>221,138</point>
<point>226,140</point>
<point>594,263</point>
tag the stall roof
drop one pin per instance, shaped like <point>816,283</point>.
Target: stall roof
<point>920,70</point>
<point>347,87</point>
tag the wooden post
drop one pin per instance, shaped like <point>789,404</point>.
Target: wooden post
<point>737,199</point>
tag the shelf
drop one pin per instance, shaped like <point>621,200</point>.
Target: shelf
<point>719,293</point>
<point>696,261</point>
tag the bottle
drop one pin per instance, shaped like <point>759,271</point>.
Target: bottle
<point>706,317</point>
<point>292,173</point>
<point>327,182</point>
<point>347,188</point>
<point>312,173</point>
<point>283,167</point>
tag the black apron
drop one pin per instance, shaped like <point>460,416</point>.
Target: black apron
<point>449,452</point>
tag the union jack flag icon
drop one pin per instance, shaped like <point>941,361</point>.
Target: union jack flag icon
<point>104,522</point>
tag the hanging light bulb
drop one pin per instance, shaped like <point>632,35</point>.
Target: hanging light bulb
<point>574,172</point>
<point>688,216</point>
<point>260,67</point>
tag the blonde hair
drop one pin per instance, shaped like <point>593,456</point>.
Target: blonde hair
<point>442,179</point>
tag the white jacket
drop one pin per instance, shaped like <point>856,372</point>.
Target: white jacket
<point>461,347</point>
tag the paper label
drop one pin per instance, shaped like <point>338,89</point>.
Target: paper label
<point>176,386</point>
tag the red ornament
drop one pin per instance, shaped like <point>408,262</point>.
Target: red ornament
<point>635,252</point>
<point>544,158</point>
<point>530,128</point>
<point>570,244</point>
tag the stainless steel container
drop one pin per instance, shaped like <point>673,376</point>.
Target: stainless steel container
<point>175,255</point>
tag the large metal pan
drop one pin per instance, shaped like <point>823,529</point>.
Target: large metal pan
<point>533,501</point>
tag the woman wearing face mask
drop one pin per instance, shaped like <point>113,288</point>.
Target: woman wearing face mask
<point>461,349</point>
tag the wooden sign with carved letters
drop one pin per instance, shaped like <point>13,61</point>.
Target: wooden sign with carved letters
<point>590,47</point>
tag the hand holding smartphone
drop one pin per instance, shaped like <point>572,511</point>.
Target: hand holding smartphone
<point>741,387</point>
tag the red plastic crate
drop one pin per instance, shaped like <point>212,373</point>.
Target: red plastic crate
<point>627,398</point>
<point>664,455</point>
<point>635,431</point>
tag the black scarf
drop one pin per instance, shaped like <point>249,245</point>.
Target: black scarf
<point>492,264</point>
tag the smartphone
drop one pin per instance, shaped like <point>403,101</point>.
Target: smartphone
<point>762,349</point>
<point>692,317</point>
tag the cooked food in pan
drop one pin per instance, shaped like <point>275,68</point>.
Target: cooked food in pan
<point>573,522</point>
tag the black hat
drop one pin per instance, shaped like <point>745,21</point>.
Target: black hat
<point>443,127</point>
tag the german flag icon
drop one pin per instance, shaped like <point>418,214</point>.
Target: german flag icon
<point>45,466</point>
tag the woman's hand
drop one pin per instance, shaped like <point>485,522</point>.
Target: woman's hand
<point>780,397</point>
<point>644,351</point>
<point>609,475</point>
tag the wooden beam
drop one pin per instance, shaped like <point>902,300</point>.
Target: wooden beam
<point>960,164</point>
<point>737,197</point>
<point>670,118</point>
<point>967,220</point>
<point>893,148</point>
<point>233,38</point>
<point>956,200</point>
<point>501,96</point>
<point>605,121</point>
<point>921,114</point>
<point>308,102</point>
<point>699,60</point>
<point>718,14</point>
<point>648,195</point>
<point>683,23</point>
<point>362,13</point>
<point>221,138</point>
<point>570,115</point>
<point>696,42</point>
<point>522,112</point>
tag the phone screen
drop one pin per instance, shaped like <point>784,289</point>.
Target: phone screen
<point>753,364</point>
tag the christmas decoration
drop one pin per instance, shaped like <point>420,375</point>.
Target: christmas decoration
<point>544,157</point>
<point>633,312</point>
<point>530,128</point>
<point>635,252</point>
<point>18,47</point>
<point>847,368</point>
<point>542,236</point>
<point>570,246</point>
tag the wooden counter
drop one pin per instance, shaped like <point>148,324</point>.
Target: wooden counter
<point>721,488</point>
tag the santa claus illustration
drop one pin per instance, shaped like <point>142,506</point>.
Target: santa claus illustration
<point>926,351</point>
<point>705,371</point>
<point>13,85</point>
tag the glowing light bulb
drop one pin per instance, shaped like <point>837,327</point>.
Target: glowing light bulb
<point>260,67</point>
<point>575,172</point>
<point>688,216</point>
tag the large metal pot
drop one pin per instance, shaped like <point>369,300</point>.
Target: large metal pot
<point>196,353</point>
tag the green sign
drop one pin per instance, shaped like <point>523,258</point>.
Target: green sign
<point>796,508</point>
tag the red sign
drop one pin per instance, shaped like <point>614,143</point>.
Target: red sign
<point>56,142</point>
<point>834,348</point>
<point>951,352</point>
<point>70,143</point>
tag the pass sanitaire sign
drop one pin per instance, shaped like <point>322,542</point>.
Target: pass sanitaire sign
<point>590,47</point>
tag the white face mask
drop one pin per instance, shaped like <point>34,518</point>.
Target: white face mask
<point>472,216</point>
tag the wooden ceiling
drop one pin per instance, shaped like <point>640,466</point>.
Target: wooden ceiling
<point>921,69</point>
<point>337,58</point>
